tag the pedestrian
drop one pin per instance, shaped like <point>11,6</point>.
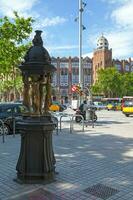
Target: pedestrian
<point>83,107</point>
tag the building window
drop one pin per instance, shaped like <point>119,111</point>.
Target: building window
<point>87,79</point>
<point>75,64</point>
<point>64,80</point>
<point>54,79</point>
<point>118,67</point>
<point>75,75</point>
<point>127,68</point>
<point>64,92</point>
<point>64,77</point>
<point>64,65</point>
<point>86,65</point>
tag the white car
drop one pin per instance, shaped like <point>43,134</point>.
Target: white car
<point>100,106</point>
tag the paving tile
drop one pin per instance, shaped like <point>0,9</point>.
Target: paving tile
<point>100,155</point>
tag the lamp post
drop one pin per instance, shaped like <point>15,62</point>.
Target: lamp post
<point>36,161</point>
<point>81,28</point>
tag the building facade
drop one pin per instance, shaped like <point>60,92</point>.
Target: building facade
<point>123,66</point>
<point>67,74</point>
<point>102,57</point>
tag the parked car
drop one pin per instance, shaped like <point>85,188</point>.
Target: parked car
<point>99,106</point>
<point>127,105</point>
<point>57,107</point>
<point>9,111</point>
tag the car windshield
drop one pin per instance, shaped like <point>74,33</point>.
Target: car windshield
<point>128,103</point>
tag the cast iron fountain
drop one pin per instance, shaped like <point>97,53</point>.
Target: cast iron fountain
<point>36,161</point>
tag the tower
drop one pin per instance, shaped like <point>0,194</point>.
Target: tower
<point>102,57</point>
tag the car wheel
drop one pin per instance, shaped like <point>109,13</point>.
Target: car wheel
<point>127,115</point>
<point>6,130</point>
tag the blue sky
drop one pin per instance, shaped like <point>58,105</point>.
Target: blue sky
<point>55,18</point>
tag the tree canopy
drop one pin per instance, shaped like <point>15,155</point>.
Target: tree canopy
<point>14,34</point>
<point>111,83</point>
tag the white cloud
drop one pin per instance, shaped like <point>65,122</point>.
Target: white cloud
<point>90,55</point>
<point>121,38</point>
<point>121,43</point>
<point>120,34</point>
<point>7,7</point>
<point>116,1</point>
<point>66,47</point>
<point>124,14</point>
<point>50,22</point>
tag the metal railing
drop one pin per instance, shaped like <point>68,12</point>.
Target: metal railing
<point>90,114</point>
<point>3,131</point>
<point>65,115</point>
<point>71,124</point>
<point>55,120</point>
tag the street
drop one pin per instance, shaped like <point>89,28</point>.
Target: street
<point>101,157</point>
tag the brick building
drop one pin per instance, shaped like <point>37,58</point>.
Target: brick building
<point>123,66</point>
<point>68,74</point>
<point>68,68</point>
<point>102,57</point>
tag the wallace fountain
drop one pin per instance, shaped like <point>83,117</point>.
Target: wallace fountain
<point>36,162</point>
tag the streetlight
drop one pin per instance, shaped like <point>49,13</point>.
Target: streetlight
<point>81,28</point>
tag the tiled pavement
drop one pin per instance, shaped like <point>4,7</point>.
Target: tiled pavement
<point>101,156</point>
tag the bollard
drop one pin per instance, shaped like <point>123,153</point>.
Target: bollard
<point>71,124</point>
<point>61,121</point>
<point>14,127</point>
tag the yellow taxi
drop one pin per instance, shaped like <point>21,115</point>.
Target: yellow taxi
<point>127,105</point>
<point>110,106</point>
<point>54,108</point>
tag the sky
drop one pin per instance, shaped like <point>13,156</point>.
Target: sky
<point>56,18</point>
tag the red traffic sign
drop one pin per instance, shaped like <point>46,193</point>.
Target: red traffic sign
<point>74,88</point>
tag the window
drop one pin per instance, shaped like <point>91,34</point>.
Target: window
<point>75,64</point>
<point>75,71</point>
<point>86,65</point>
<point>54,79</point>
<point>64,92</point>
<point>127,68</point>
<point>64,65</point>
<point>118,67</point>
<point>87,79</point>
<point>75,75</point>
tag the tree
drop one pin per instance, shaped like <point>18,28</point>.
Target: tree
<point>127,86</point>
<point>13,42</point>
<point>109,83</point>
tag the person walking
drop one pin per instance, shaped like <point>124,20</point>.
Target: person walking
<point>83,107</point>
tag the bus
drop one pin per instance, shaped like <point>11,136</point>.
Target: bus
<point>127,105</point>
<point>112,103</point>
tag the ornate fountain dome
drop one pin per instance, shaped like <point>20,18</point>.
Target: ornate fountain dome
<point>102,43</point>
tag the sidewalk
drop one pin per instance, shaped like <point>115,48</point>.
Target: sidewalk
<point>94,165</point>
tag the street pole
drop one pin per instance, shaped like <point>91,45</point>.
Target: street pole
<point>80,45</point>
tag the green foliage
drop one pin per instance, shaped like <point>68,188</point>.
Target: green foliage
<point>14,34</point>
<point>111,83</point>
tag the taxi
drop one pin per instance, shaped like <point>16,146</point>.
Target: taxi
<point>54,108</point>
<point>127,106</point>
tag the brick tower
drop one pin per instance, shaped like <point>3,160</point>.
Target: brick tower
<point>102,57</point>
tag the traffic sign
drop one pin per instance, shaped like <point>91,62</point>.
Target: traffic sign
<point>74,88</point>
